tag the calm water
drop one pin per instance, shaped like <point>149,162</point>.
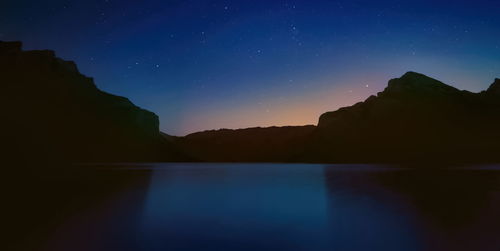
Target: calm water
<point>274,207</point>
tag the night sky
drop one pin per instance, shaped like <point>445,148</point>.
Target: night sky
<point>231,64</point>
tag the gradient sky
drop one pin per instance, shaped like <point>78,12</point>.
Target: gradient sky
<point>232,64</point>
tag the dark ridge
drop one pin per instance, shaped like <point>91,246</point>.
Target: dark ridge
<point>494,88</point>
<point>53,113</point>
<point>271,144</point>
<point>416,118</point>
<point>412,83</point>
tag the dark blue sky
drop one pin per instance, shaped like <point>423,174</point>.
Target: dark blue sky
<point>211,64</point>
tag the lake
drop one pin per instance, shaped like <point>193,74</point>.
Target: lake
<point>257,207</point>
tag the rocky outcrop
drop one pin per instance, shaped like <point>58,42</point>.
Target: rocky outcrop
<point>494,88</point>
<point>53,112</point>
<point>416,118</point>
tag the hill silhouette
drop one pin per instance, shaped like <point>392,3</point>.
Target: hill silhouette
<point>53,113</point>
<point>415,119</point>
<point>271,144</point>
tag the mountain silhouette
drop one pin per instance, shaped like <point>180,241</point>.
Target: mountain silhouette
<point>415,119</point>
<point>54,113</point>
<point>271,144</point>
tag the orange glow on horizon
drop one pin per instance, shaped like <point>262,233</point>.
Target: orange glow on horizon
<point>302,110</point>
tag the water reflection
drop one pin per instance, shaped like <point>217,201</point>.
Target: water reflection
<point>431,210</point>
<point>267,207</point>
<point>93,208</point>
<point>236,207</point>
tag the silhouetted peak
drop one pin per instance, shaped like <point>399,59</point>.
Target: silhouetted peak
<point>413,75</point>
<point>37,59</point>
<point>10,47</point>
<point>494,88</point>
<point>57,111</point>
<point>416,83</point>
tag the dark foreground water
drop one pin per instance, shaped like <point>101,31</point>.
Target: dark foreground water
<point>256,207</point>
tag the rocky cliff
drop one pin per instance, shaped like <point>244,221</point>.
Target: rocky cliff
<point>52,112</point>
<point>416,118</point>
